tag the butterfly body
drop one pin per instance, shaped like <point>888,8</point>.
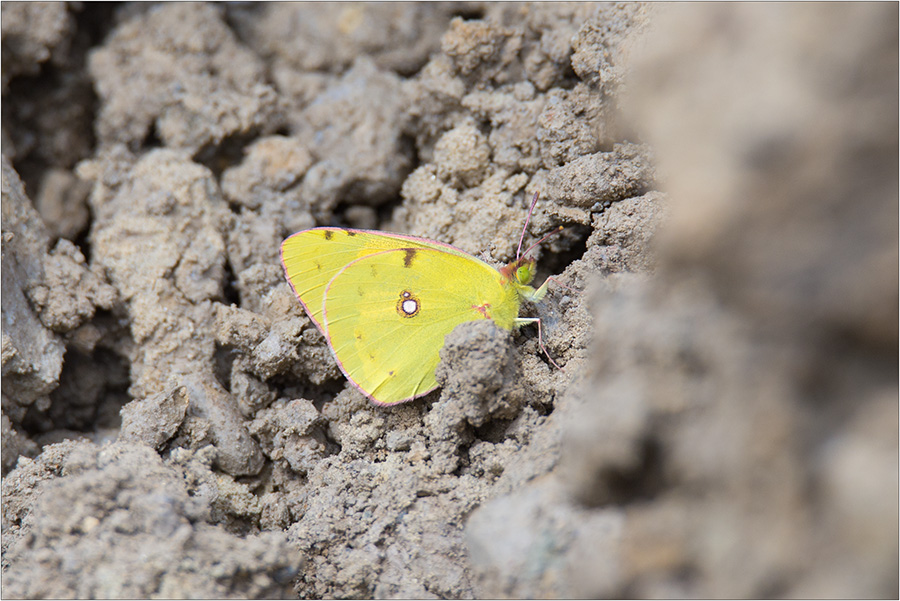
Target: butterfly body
<point>384,302</point>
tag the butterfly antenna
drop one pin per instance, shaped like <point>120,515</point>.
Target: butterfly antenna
<point>553,233</point>
<point>527,219</point>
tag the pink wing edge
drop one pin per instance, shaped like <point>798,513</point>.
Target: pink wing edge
<point>427,241</point>
<point>287,276</point>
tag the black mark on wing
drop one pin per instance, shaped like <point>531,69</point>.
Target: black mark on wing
<point>410,254</point>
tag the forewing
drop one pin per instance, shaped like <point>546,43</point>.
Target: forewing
<point>311,258</point>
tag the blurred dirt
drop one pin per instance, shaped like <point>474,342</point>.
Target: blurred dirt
<point>724,304</point>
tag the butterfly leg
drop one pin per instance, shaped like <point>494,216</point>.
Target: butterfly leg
<point>520,321</point>
<point>541,292</point>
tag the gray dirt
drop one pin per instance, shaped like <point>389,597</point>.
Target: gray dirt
<point>724,303</point>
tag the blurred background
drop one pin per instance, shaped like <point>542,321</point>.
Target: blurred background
<point>727,422</point>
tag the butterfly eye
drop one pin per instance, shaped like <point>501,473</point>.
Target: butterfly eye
<point>524,274</point>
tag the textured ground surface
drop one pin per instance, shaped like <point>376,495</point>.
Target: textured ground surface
<point>726,422</point>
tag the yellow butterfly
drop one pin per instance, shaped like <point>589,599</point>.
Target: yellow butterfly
<point>384,302</point>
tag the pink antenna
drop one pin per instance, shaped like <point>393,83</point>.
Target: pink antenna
<point>553,233</point>
<point>527,219</point>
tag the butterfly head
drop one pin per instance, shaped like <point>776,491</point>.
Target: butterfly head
<point>525,272</point>
<point>520,271</point>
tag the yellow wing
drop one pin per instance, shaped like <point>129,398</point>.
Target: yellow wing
<point>386,314</point>
<point>312,257</point>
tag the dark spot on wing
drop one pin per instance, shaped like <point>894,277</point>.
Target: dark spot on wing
<point>329,234</point>
<point>349,233</point>
<point>410,254</point>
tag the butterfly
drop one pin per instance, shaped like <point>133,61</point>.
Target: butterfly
<point>385,302</point>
